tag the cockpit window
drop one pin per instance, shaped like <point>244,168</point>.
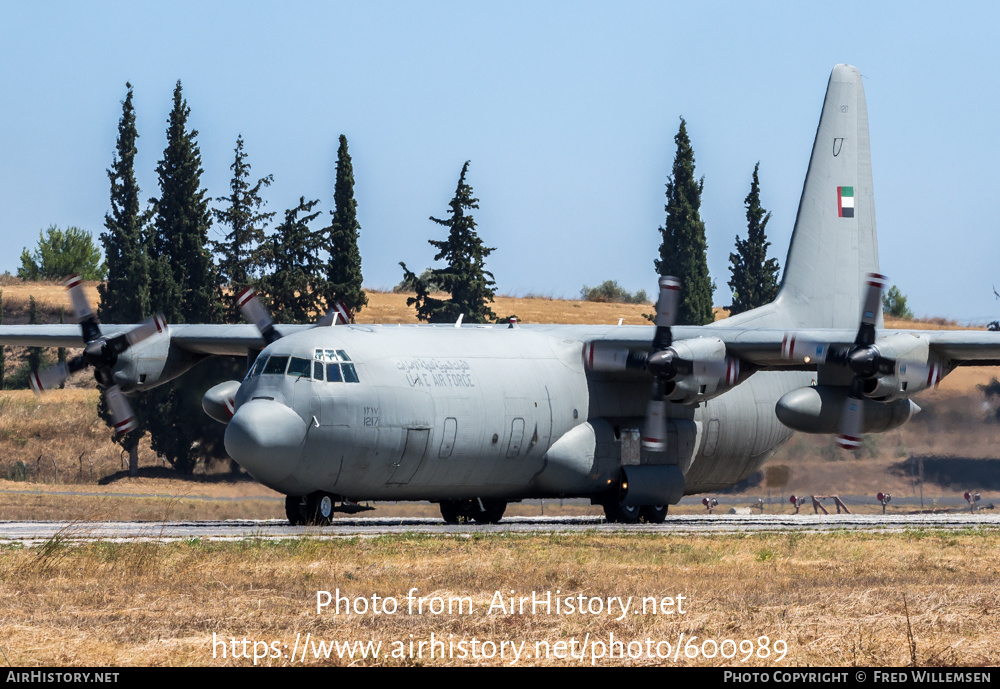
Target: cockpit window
<point>276,365</point>
<point>350,376</point>
<point>333,373</point>
<point>258,366</point>
<point>337,365</point>
<point>299,367</point>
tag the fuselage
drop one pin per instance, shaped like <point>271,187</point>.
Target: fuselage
<point>438,413</point>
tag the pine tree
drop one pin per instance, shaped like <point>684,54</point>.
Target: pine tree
<point>682,251</point>
<point>754,278</point>
<point>124,297</point>
<point>291,289</point>
<point>239,251</point>
<point>465,278</point>
<point>343,271</point>
<point>183,274</point>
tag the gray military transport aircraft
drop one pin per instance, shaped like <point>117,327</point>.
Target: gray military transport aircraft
<point>632,417</point>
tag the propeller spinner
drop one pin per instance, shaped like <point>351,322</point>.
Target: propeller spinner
<point>101,353</point>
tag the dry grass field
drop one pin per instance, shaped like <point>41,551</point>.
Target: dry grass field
<point>819,599</point>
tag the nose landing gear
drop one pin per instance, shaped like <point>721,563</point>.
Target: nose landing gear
<point>319,508</point>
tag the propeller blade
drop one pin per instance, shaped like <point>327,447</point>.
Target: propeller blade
<point>874,284</point>
<point>48,378</point>
<point>254,311</point>
<point>666,311</point>
<point>851,420</point>
<point>122,415</point>
<point>152,326</point>
<point>654,437</point>
<point>81,309</point>
<point>345,314</point>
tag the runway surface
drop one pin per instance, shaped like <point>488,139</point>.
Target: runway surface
<point>32,533</point>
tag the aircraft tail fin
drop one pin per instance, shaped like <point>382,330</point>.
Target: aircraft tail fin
<point>834,243</point>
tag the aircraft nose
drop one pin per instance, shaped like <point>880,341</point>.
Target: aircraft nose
<point>266,438</point>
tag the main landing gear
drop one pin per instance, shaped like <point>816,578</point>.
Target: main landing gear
<point>479,510</point>
<point>616,513</point>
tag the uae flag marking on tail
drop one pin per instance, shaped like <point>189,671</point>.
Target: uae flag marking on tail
<point>845,202</point>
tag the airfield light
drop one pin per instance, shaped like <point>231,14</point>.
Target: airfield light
<point>883,498</point>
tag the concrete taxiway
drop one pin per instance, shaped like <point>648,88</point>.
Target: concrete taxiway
<point>34,532</point>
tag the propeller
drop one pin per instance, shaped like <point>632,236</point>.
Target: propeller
<point>255,312</point>
<point>863,358</point>
<point>101,353</point>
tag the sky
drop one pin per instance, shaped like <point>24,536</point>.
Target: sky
<point>566,110</point>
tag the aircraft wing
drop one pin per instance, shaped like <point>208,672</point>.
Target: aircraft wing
<point>219,340</point>
<point>759,346</point>
<point>763,346</point>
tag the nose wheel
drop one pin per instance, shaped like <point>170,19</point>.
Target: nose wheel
<point>314,509</point>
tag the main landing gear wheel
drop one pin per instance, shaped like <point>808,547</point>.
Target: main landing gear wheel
<point>617,513</point>
<point>453,512</point>
<point>481,511</point>
<point>653,514</point>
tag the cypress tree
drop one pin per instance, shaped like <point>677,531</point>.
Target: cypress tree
<point>682,251</point>
<point>291,289</point>
<point>464,277</point>
<point>3,355</point>
<point>239,251</point>
<point>183,274</point>
<point>184,287</point>
<point>124,297</point>
<point>754,278</point>
<point>343,270</point>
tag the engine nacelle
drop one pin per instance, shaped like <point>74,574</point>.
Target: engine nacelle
<point>152,363</point>
<point>219,401</point>
<point>818,410</point>
<point>711,374</point>
<point>915,370</point>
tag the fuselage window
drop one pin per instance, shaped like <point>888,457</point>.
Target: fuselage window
<point>276,365</point>
<point>299,367</point>
<point>318,370</point>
